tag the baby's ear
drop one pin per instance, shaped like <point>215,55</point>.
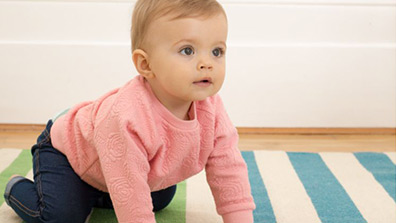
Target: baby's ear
<point>140,59</point>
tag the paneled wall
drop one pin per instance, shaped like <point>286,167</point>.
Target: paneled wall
<point>291,63</point>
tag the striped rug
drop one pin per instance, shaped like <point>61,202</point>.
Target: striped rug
<point>287,187</point>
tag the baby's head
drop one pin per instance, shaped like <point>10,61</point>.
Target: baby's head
<point>146,11</point>
<point>179,48</point>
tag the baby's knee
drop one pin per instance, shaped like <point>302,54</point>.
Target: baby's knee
<point>162,198</point>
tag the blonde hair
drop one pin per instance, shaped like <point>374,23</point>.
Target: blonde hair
<point>147,11</point>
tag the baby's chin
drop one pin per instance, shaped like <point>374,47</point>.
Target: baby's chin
<point>202,97</point>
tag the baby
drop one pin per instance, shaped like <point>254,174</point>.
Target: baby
<point>128,149</point>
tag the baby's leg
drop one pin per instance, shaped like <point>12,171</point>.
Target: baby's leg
<point>162,198</point>
<point>57,193</point>
<point>28,206</point>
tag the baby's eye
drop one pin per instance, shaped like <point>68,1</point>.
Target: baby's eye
<point>218,52</point>
<point>187,51</point>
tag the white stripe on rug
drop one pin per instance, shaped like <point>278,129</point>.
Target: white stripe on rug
<point>8,215</point>
<point>373,202</point>
<point>7,156</point>
<point>289,199</point>
<point>29,175</point>
<point>200,205</point>
<point>392,156</point>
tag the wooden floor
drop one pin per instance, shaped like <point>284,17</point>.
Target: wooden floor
<point>319,143</point>
<point>285,142</point>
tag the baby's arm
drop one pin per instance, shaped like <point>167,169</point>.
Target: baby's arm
<point>227,173</point>
<point>228,180</point>
<point>125,168</point>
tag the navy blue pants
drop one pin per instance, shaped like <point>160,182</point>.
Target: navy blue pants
<point>57,193</point>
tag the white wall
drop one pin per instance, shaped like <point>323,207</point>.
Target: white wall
<point>290,63</point>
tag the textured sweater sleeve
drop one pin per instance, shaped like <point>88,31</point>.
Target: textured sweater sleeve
<point>125,168</point>
<point>227,173</point>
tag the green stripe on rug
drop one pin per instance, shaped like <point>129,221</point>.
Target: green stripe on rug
<point>21,166</point>
<point>174,213</point>
<point>100,215</point>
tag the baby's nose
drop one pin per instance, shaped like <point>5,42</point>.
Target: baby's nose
<point>205,64</point>
<point>205,67</point>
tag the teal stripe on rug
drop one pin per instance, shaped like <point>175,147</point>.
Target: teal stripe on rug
<point>263,212</point>
<point>21,166</point>
<point>382,168</point>
<point>330,199</point>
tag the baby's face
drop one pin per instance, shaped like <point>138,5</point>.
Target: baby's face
<point>187,56</point>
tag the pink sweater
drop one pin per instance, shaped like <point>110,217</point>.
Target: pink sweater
<point>128,144</point>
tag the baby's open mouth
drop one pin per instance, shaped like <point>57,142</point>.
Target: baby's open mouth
<point>205,80</point>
